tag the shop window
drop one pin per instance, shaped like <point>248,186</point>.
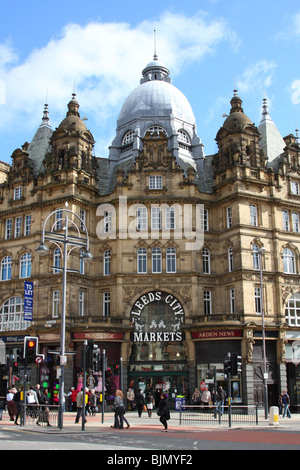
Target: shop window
<point>12,315</point>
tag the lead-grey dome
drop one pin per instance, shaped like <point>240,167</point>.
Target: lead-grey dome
<point>156,98</point>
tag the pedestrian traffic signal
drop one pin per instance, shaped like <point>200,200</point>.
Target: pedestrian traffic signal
<point>93,356</point>
<point>236,364</point>
<point>30,349</point>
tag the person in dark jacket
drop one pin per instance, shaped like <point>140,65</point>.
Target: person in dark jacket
<point>140,402</point>
<point>163,411</point>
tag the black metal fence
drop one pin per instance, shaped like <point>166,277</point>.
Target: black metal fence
<point>213,414</point>
<point>39,415</point>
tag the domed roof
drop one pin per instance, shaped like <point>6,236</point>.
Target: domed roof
<point>72,121</point>
<point>156,98</point>
<point>236,118</point>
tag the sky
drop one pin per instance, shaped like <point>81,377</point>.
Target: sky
<point>98,49</point>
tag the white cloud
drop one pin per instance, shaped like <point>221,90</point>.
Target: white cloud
<point>295,96</point>
<point>256,77</point>
<point>105,60</point>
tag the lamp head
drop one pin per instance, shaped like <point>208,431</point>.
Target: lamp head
<point>42,249</point>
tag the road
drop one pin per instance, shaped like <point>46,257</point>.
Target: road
<point>141,440</point>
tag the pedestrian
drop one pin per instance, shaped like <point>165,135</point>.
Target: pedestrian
<point>163,411</point>
<point>196,397</point>
<point>140,402</point>
<point>149,403</point>
<point>32,401</point>
<point>221,400</point>
<point>286,404</point>
<point>44,410</point>
<point>130,399</point>
<point>11,404</point>
<point>280,406</point>
<point>206,397</point>
<point>119,410</point>
<point>79,406</point>
<point>17,400</point>
<point>73,398</point>
<point>93,403</point>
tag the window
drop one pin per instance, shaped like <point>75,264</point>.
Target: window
<point>156,260</point>
<point>8,229</point>
<point>12,315</point>
<point>55,303</point>
<point>292,310</point>
<point>107,221</point>
<point>106,304</point>
<point>295,221</point>
<point>27,225</point>
<point>295,188</point>
<point>204,220</point>
<point>207,302</point>
<point>255,257</point>
<point>18,225</point>
<point>171,260</point>
<point>106,263</point>
<point>18,193</point>
<point>81,262</point>
<point>253,215</point>
<point>155,182</point>
<point>230,259</point>
<point>257,298</point>
<point>6,268</point>
<point>82,219</point>
<point>58,219</point>
<point>81,304</point>
<point>170,218</point>
<point>128,138</point>
<point>141,218</point>
<point>25,265</point>
<point>285,220</point>
<point>206,261</point>
<point>229,217</point>
<point>155,218</point>
<point>142,261</point>
<point>56,260</point>
<point>289,266</point>
<point>157,129</point>
<point>183,137</point>
<point>232,301</point>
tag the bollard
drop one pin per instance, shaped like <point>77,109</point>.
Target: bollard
<point>273,416</point>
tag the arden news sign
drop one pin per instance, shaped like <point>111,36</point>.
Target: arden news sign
<point>157,317</point>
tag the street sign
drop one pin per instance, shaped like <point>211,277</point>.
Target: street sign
<point>39,359</point>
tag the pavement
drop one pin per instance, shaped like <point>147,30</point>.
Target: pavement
<point>94,424</point>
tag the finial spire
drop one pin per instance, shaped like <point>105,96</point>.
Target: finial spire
<point>45,119</point>
<point>155,57</point>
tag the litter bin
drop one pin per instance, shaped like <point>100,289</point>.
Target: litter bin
<point>273,416</point>
<point>179,400</point>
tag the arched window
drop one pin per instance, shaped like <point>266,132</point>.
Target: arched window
<point>289,265</point>
<point>184,140</point>
<point>128,138</point>
<point>171,260</point>
<point>156,129</point>
<point>292,310</point>
<point>255,256</point>
<point>25,265</point>
<point>12,315</point>
<point>6,268</point>
<point>142,261</point>
<point>156,260</point>
<point>206,261</point>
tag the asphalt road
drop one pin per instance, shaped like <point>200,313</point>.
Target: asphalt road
<point>149,442</point>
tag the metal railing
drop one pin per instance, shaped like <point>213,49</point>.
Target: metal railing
<point>45,415</point>
<point>236,414</point>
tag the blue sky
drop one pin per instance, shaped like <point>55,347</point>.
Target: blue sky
<point>210,47</point>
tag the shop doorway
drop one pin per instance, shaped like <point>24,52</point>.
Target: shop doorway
<point>157,382</point>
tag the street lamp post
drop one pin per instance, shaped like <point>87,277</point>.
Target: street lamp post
<point>66,243</point>
<point>261,251</point>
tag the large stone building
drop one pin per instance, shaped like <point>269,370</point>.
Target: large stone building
<point>177,238</point>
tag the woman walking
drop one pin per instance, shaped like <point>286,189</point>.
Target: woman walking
<point>119,411</point>
<point>163,411</point>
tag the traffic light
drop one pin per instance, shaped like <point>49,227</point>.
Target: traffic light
<point>30,349</point>
<point>236,364</point>
<point>89,354</point>
<point>93,356</point>
<point>227,367</point>
<point>117,369</point>
<point>96,359</point>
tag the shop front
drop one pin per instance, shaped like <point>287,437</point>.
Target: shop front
<point>158,357</point>
<point>292,357</point>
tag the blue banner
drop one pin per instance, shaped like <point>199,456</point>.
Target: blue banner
<point>28,301</point>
